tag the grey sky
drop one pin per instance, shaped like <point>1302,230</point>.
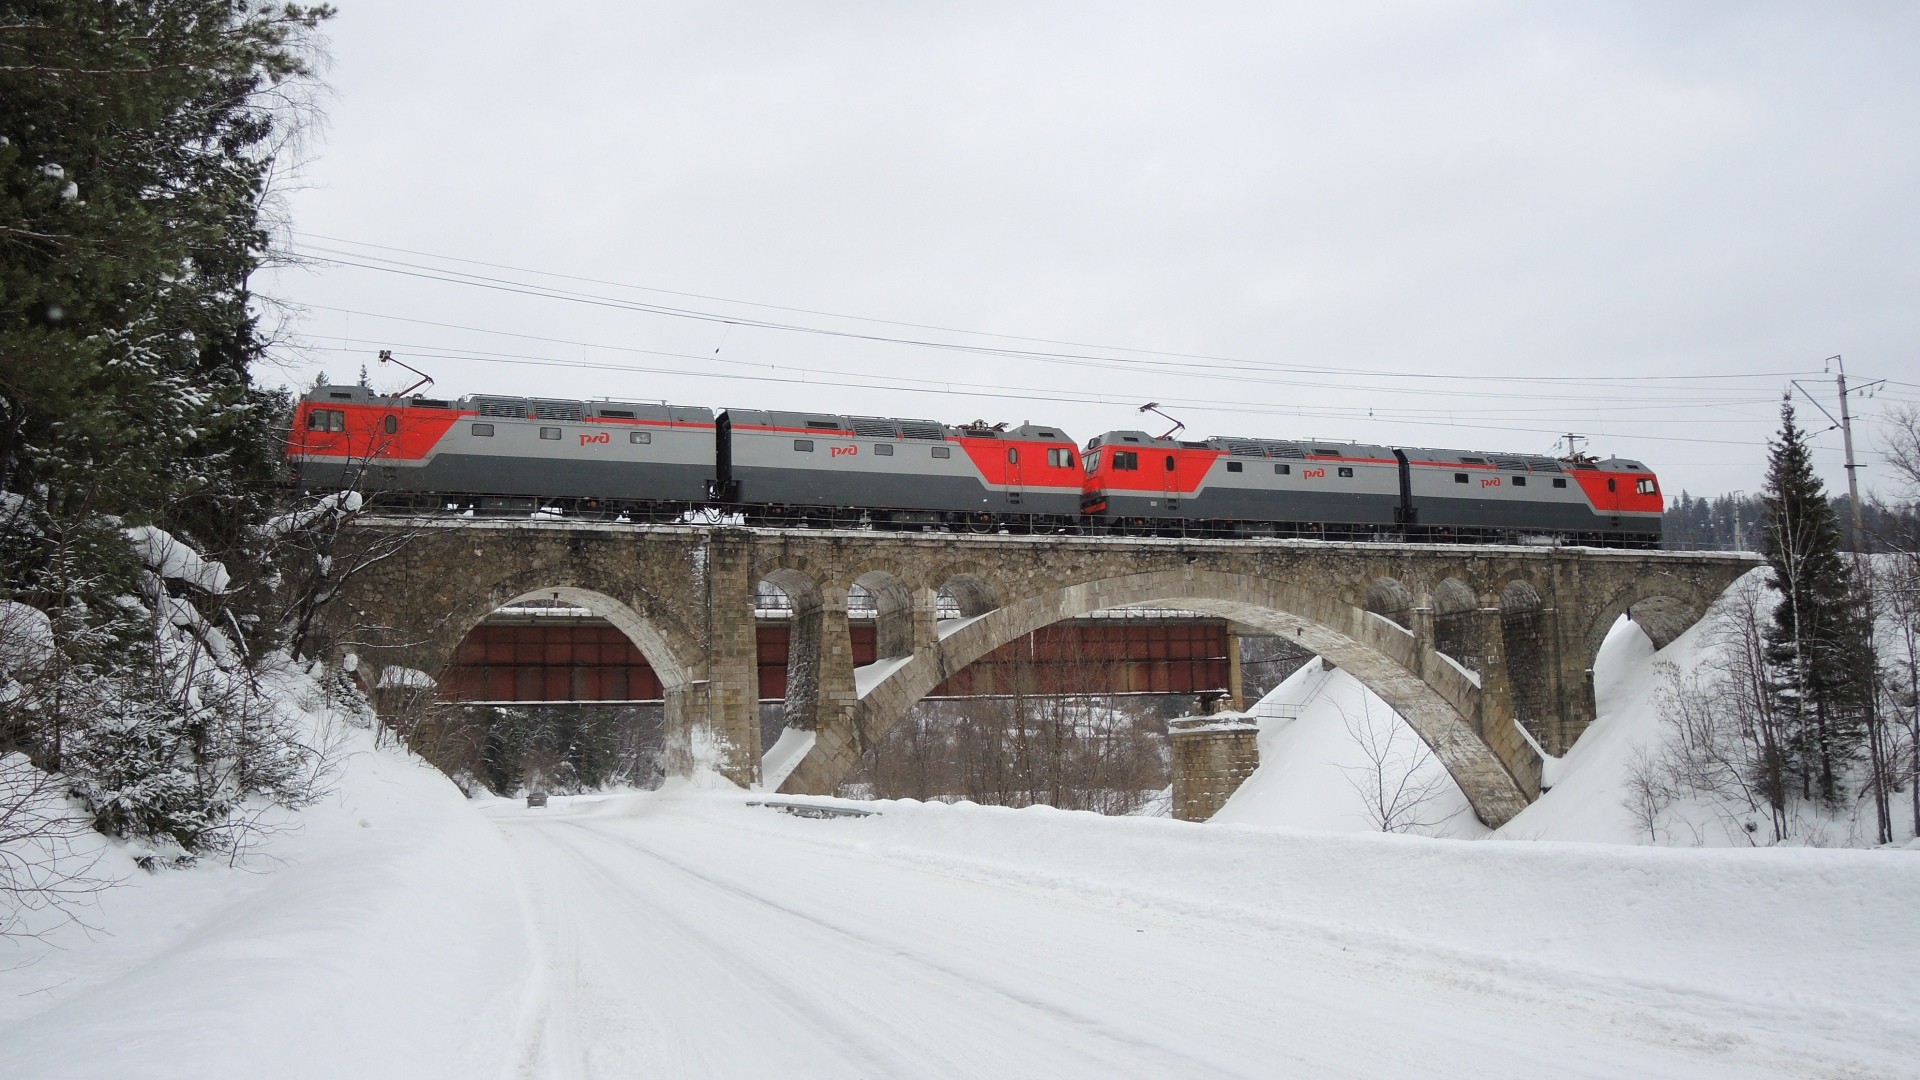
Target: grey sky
<point>1307,193</point>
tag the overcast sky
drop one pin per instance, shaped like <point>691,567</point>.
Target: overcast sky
<point>1469,225</point>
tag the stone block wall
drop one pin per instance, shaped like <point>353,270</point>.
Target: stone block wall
<point>1212,757</point>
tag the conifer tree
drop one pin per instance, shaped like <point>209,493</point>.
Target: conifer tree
<point>135,149</point>
<point>1819,646</point>
<point>137,140</point>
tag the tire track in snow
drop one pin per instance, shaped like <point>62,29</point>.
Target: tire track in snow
<point>565,1049</point>
<point>1128,1051</point>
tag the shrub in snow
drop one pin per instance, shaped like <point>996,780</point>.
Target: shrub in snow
<point>146,703</point>
<point>1399,780</point>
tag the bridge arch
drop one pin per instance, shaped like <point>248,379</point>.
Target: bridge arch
<point>673,661</point>
<point>893,612</point>
<point>1663,606</point>
<point>1389,599</point>
<point>970,593</point>
<point>1456,623</point>
<point>1384,657</point>
<point>806,623</point>
<point>1527,641</point>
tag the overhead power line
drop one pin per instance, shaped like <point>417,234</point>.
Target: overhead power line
<point>360,260</point>
<point>746,368</point>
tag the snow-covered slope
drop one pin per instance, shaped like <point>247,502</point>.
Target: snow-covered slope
<point>1315,771</point>
<point>351,944</point>
<point>1587,795</point>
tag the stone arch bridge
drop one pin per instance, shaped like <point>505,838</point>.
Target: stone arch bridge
<point>1486,651</point>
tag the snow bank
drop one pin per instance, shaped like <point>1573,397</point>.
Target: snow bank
<point>340,502</point>
<point>378,933</point>
<point>780,759</point>
<point>395,676</point>
<point>1587,797</point>
<point>26,636</point>
<point>868,676</point>
<point>171,559</point>
<point>946,628</point>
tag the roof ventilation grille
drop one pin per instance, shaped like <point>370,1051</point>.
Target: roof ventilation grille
<point>559,410</point>
<point>512,408</point>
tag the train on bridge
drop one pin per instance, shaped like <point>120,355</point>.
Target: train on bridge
<point>642,461</point>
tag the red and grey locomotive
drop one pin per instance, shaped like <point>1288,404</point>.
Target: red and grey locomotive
<point>651,461</point>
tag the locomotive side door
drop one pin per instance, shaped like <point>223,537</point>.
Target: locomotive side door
<point>1169,480</point>
<point>1016,488</point>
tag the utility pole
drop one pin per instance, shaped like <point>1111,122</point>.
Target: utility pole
<point>1846,441</point>
<point>1845,424</point>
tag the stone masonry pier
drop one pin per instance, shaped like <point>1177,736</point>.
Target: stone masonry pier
<point>1479,648</point>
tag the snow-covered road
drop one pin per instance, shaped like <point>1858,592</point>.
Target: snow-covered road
<point>404,932</point>
<point>700,937</point>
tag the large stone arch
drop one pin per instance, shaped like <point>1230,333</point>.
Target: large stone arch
<point>676,659</point>
<point>674,673</point>
<point>1442,707</point>
<point>672,653</point>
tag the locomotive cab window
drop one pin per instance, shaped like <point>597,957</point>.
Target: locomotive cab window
<point>1060,458</point>
<point>550,433</point>
<point>483,431</point>
<point>942,451</point>
<point>883,449</point>
<point>639,436</point>
<point>1126,460</point>
<point>1647,487</point>
<point>327,420</point>
<point>804,446</point>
